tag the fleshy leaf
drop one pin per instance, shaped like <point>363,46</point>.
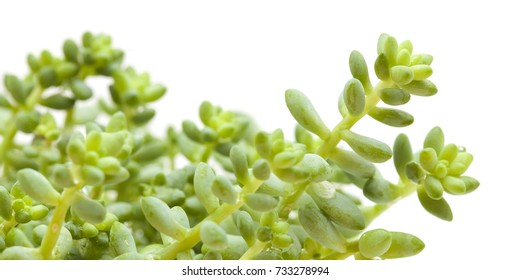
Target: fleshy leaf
<point>305,114</point>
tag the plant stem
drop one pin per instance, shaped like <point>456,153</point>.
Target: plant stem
<point>11,130</point>
<point>348,121</point>
<point>68,123</point>
<point>287,204</point>
<point>55,225</point>
<point>253,250</point>
<point>5,226</point>
<point>222,212</point>
<point>336,136</point>
<point>8,137</point>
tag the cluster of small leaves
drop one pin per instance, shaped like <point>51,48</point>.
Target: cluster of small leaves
<point>87,189</point>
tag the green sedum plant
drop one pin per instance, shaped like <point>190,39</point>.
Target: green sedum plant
<point>83,178</point>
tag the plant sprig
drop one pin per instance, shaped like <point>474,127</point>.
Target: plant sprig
<point>87,189</point>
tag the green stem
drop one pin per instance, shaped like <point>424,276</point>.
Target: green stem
<point>11,130</point>
<point>329,144</point>
<point>348,121</point>
<point>68,124</point>
<point>8,137</point>
<point>55,225</point>
<point>6,226</point>
<point>287,204</point>
<point>254,250</point>
<point>222,212</point>
<point>372,212</point>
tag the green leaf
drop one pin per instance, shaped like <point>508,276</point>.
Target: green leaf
<point>438,208</point>
<point>422,71</point>
<point>453,185</point>
<point>403,245</point>
<point>374,243</point>
<point>87,209</point>
<point>206,112</point>
<point>263,145</point>
<point>61,176</point>
<point>354,97</point>
<point>213,236</point>
<point>320,228</point>
<point>421,88</point>
<point>305,114</point>
<point>421,58</point>
<point>388,46</point>
<point>121,239</point>
<point>172,222</point>
<point>66,70</point>
<point>402,154</point>
<point>81,90</point>
<point>318,169</point>
<point>192,131</point>
<point>261,202</point>
<point>17,237</point>
<point>33,62</point>
<point>402,75</point>
<point>92,175</point>
<point>261,169</point>
<point>391,117</point>
<point>109,165</point>
<point>369,148</point>
<point>27,121</point>
<point>449,153</point>
<point>403,57</point>
<point>153,93</point>
<point>5,204</point>
<point>338,208</point>
<point>433,187</point>
<point>4,102</point>
<point>304,137</point>
<point>203,181</point>
<point>380,190</point>
<point>352,163</point>
<point>20,253</point>
<point>434,139</point>
<point>64,244</point>
<point>143,117</point>
<point>406,45</point>
<point>359,69</point>
<point>16,87</point>
<point>240,164</point>
<point>37,187</point>
<point>246,226</point>
<point>471,183</point>
<point>224,190</point>
<point>47,76</point>
<point>76,149</point>
<point>39,212</point>
<point>382,67</point>
<point>460,164</point>
<point>415,172</point>
<point>71,50</point>
<point>428,159</point>
<point>394,96</point>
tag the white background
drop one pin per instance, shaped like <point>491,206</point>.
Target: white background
<point>243,55</point>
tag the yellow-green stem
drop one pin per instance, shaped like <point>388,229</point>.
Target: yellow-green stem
<point>325,149</point>
<point>11,130</point>
<point>287,203</point>
<point>8,137</point>
<point>6,226</point>
<point>254,250</point>
<point>57,220</point>
<point>222,212</point>
<point>348,121</point>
